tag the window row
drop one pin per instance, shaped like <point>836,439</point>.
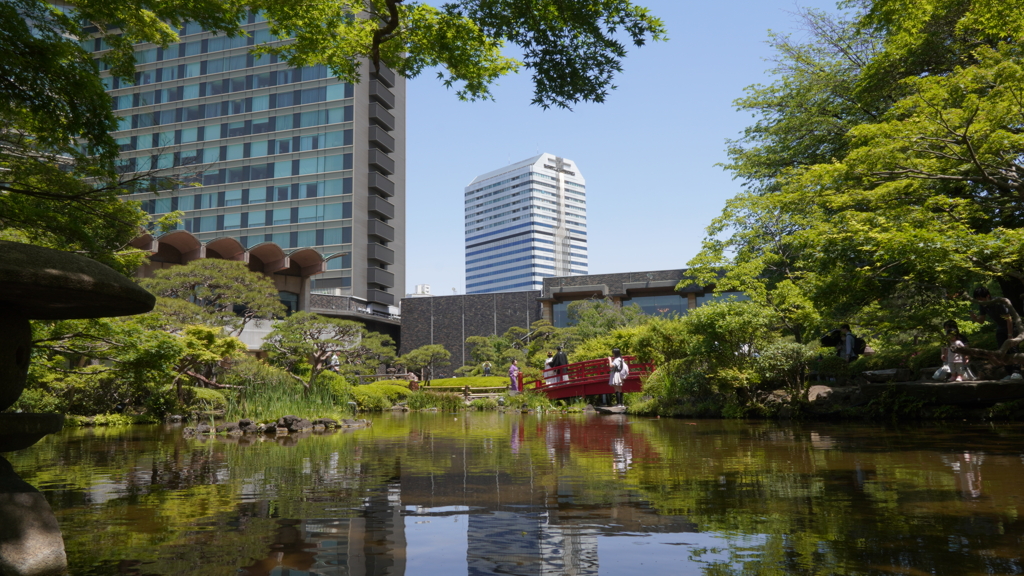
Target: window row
<point>266,171</point>
<point>240,106</point>
<point>262,218</point>
<point>239,84</point>
<point>244,197</point>
<point>209,66</point>
<point>98,44</point>
<point>257,149</point>
<point>305,239</point>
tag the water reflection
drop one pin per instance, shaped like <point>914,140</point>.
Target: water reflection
<point>432,494</point>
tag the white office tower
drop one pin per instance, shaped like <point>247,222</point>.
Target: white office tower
<point>524,223</point>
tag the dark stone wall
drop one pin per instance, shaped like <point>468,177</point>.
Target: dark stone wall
<point>449,320</point>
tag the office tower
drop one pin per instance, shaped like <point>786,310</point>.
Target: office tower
<point>524,223</point>
<point>269,154</point>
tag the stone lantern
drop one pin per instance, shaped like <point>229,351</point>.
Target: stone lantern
<point>43,284</point>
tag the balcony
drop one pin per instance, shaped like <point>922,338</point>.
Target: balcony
<point>382,207</point>
<point>385,76</point>
<point>380,184</point>
<point>379,252</point>
<point>380,276</point>
<point>381,162</point>
<point>380,297</point>
<point>381,117</point>
<point>381,230</point>
<point>381,94</point>
<point>381,139</point>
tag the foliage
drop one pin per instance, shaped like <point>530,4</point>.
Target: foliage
<point>442,401</point>
<point>370,398</point>
<point>598,316</point>
<point>425,358</point>
<point>109,420</point>
<point>528,401</point>
<point>210,290</point>
<point>306,337</point>
<point>61,183</point>
<point>483,404</point>
<point>264,393</point>
<point>882,171</point>
<point>787,364</point>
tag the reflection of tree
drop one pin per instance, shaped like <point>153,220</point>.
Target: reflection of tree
<point>787,500</point>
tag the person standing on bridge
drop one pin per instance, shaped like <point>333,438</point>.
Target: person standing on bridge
<point>561,362</point>
<point>615,380</point>
<point>513,378</point>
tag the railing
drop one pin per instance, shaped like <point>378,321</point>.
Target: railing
<point>589,378</point>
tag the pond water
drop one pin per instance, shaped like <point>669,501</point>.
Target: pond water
<point>526,494</point>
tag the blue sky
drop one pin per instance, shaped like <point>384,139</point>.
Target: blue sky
<point>649,153</point>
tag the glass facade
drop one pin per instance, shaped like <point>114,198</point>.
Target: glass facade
<point>245,146</point>
<point>525,223</point>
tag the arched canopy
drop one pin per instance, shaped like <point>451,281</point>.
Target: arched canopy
<point>226,248</point>
<point>309,261</point>
<point>186,244</point>
<point>270,255</point>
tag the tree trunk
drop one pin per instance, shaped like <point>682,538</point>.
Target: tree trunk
<point>1013,290</point>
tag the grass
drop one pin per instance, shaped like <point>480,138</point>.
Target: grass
<point>473,381</point>
<point>269,393</point>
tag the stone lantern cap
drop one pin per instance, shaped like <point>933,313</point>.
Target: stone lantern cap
<point>43,284</point>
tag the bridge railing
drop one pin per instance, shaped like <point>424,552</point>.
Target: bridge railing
<point>589,377</point>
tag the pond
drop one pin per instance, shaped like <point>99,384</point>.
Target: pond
<point>525,494</point>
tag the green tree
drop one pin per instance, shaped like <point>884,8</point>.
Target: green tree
<point>306,341</point>
<point>425,359</point>
<point>215,292</point>
<point>595,317</point>
<point>60,179</point>
<point>910,197</point>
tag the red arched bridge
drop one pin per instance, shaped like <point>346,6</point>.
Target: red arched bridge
<point>588,378</point>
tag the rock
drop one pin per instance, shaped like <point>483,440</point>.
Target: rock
<point>204,429</point>
<point>287,421</point>
<point>819,393</point>
<point>230,428</point>
<point>301,425</point>
<point>30,539</point>
<point>350,423</point>
<point>326,422</point>
<point>270,429</point>
<point>174,418</point>
<point>319,427</point>
<point>189,432</point>
<point>247,426</point>
<point>890,375</point>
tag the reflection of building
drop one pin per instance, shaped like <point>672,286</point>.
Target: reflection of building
<point>526,544</point>
<point>525,222</point>
<point>449,320</point>
<point>282,160</point>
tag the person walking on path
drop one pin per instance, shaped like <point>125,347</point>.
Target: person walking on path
<point>617,364</point>
<point>998,314</point>
<point>847,344</point>
<point>561,362</point>
<point>513,378</point>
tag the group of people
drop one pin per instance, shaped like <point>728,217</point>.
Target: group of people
<point>956,364</point>
<point>556,370</point>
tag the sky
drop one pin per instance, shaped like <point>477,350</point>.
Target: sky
<point>649,153</point>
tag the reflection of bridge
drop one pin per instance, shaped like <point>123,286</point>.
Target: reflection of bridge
<point>590,378</point>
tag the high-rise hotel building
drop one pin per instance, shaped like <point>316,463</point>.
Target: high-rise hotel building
<point>524,223</point>
<point>271,159</point>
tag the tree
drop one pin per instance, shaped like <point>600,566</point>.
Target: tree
<point>595,317</point>
<point>425,358</point>
<point>215,292</point>
<point>60,183</point>
<point>913,197</point>
<point>306,339</point>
